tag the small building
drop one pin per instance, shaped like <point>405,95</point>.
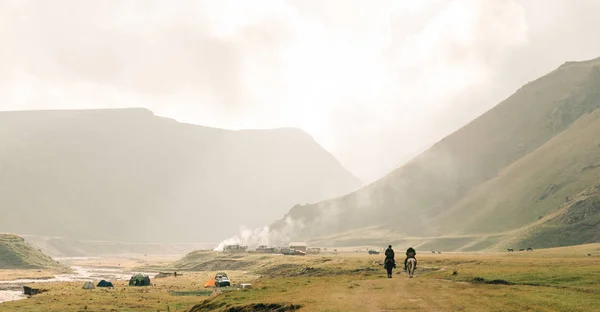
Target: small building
<point>235,248</point>
<point>263,249</point>
<point>299,246</point>
<point>266,249</point>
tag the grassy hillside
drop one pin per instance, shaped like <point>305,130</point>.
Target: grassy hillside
<point>577,221</point>
<point>16,253</point>
<point>535,185</point>
<point>127,175</point>
<point>482,184</point>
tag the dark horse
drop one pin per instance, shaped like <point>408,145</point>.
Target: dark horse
<point>389,266</point>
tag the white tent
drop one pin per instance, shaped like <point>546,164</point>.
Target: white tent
<point>88,285</point>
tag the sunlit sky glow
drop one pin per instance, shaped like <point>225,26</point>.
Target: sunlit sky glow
<point>373,81</point>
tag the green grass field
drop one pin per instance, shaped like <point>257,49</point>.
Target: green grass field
<point>560,279</point>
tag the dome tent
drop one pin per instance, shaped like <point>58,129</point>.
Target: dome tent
<point>104,283</point>
<point>139,280</point>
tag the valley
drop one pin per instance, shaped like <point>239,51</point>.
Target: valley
<point>483,186</point>
<point>233,156</point>
<point>556,279</point>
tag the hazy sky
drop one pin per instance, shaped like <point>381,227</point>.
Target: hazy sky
<point>373,81</point>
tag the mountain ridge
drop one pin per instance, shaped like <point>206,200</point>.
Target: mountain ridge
<point>427,189</point>
<point>107,172</point>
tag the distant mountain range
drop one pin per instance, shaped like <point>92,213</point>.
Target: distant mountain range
<point>68,247</point>
<point>128,175</point>
<point>524,174</point>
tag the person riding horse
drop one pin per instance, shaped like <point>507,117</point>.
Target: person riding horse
<point>410,253</point>
<point>389,254</point>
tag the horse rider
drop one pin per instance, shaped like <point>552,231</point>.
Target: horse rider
<point>389,254</point>
<point>410,253</point>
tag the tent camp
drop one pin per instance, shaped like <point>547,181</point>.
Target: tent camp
<point>139,280</point>
<point>220,280</point>
<point>210,283</point>
<point>88,285</point>
<point>104,283</point>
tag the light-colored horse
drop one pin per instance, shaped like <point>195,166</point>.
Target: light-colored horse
<point>410,267</point>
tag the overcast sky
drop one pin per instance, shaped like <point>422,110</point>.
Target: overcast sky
<point>373,81</point>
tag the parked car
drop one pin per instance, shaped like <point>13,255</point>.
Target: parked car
<point>299,253</point>
<point>221,280</point>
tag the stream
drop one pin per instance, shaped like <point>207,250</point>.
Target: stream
<point>13,290</point>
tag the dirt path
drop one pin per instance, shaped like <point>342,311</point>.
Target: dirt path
<point>399,293</point>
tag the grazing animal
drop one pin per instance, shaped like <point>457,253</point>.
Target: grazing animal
<point>432,251</point>
<point>389,266</point>
<point>521,249</point>
<point>510,250</point>
<point>439,252</point>
<point>529,249</point>
<point>589,255</point>
<point>410,267</point>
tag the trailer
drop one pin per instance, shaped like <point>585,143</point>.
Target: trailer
<point>299,246</point>
<point>235,248</point>
<point>266,249</point>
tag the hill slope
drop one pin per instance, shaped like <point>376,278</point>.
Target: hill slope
<point>501,172</point>
<point>16,253</point>
<point>127,175</point>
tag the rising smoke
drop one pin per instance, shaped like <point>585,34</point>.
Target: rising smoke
<point>265,235</point>
<point>397,194</point>
<point>327,215</point>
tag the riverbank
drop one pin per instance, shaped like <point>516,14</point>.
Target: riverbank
<point>11,275</point>
<point>11,295</point>
<point>81,269</point>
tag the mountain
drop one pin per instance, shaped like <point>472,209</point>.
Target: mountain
<point>128,175</point>
<point>16,253</point>
<point>489,185</point>
<point>67,247</point>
